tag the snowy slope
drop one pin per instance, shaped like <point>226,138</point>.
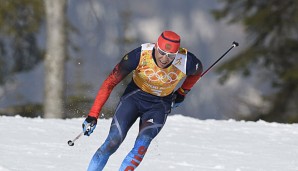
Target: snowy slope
<point>184,144</point>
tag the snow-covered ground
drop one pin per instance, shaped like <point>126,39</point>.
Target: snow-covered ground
<point>184,144</point>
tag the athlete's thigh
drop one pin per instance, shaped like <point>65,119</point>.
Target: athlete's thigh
<point>153,120</point>
<point>125,115</point>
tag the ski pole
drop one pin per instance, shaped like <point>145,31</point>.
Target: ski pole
<point>233,45</point>
<point>71,142</point>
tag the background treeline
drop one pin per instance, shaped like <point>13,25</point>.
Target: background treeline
<point>271,52</point>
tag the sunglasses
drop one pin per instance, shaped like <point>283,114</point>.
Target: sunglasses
<point>169,55</point>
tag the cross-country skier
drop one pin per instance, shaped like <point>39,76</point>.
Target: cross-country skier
<point>157,68</point>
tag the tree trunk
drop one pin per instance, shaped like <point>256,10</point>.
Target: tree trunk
<point>55,58</point>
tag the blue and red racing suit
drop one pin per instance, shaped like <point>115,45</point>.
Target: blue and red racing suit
<point>148,97</point>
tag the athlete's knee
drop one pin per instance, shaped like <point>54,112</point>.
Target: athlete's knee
<point>144,139</point>
<point>111,145</point>
<point>114,144</point>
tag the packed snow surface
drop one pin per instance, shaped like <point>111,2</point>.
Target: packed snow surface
<point>184,144</point>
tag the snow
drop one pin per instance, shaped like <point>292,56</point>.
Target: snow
<point>34,144</point>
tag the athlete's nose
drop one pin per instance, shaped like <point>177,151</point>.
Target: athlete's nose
<point>164,58</point>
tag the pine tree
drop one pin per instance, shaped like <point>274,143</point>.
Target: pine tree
<point>20,22</point>
<point>272,29</point>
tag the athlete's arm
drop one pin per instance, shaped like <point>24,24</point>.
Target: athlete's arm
<point>128,63</point>
<point>194,71</point>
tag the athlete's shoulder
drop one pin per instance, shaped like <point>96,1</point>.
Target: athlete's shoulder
<point>135,52</point>
<point>131,60</point>
<point>194,65</point>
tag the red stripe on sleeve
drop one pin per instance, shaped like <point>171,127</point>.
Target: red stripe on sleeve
<point>105,90</point>
<point>190,81</point>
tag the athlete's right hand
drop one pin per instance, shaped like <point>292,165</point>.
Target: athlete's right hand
<point>89,125</point>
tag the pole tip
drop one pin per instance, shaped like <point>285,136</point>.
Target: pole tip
<point>70,143</point>
<point>235,43</point>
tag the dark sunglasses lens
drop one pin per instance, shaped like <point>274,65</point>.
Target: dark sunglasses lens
<point>171,55</point>
<point>161,52</point>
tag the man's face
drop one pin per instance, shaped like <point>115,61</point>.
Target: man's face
<point>163,59</point>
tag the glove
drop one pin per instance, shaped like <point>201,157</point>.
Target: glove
<point>89,125</point>
<point>178,97</point>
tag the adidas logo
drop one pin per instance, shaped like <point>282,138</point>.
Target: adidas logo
<point>150,120</point>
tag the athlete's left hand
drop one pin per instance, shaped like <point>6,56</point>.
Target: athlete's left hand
<point>178,98</point>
